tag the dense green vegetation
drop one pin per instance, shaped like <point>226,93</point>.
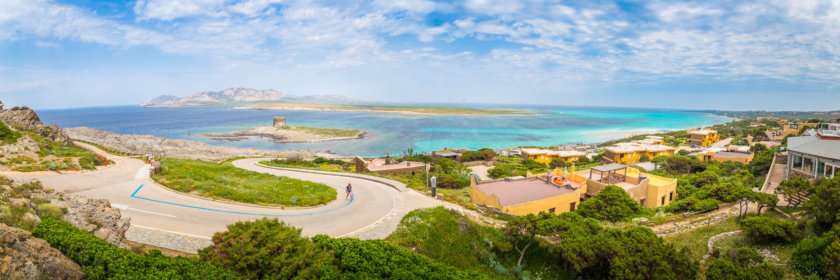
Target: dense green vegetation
<point>611,204</point>
<point>269,249</point>
<point>331,132</point>
<point>102,260</point>
<point>7,135</point>
<point>516,169</point>
<point>318,163</point>
<point>743,263</point>
<point>224,181</point>
<point>769,230</point>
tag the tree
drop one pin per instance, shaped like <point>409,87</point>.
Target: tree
<point>794,190</point>
<point>743,263</point>
<point>765,200</point>
<point>769,230</point>
<point>760,164</point>
<point>807,257</point>
<point>824,202</point>
<point>611,204</point>
<point>557,163</point>
<point>500,171</point>
<point>524,229</point>
<point>758,148</point>
<point>644,158</point>
<point>267,249</point>
<point>583,160</point>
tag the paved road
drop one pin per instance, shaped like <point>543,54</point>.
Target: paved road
<point>373,213</point>
<point>723,143</point>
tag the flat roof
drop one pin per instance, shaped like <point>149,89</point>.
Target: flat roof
<point>401,165</point>
<point>517,191</point>
<point>733,154</point>
<point>814,145</point>
<point>609,167</point>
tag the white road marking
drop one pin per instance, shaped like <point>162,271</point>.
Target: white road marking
<point>150,212</point>
<point>169,231</point>
<point>119,206</point>
<point>143,172</point>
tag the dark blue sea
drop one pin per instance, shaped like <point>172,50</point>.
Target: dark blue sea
<point>390,132</point>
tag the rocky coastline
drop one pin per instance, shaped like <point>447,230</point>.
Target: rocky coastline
<point>178,148</point>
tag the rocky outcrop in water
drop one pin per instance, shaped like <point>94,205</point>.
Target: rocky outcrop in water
<point>164,147</point>
<point>26,118</point>
<point>23,256</point>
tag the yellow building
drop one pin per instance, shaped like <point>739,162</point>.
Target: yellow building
<point>734,153</point>
<point>703,137</point>
<point>647,189</point>
<point>632,152</point>
<point>528,195</point>
<point>546,156</point>
<point>791,129</point>
<point>563,192</point>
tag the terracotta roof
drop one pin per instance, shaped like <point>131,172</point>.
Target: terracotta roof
<point>517,191</point>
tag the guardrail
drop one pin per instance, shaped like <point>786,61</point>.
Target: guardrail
<point>391,183</point>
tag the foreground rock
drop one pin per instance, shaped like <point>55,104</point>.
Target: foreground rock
<point>95,216</point>
<point>23,256</point>
<point>159,146</point>
<point>27,119</point>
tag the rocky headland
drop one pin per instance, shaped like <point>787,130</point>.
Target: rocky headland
<point>178,148</point>
<point>26,119</point>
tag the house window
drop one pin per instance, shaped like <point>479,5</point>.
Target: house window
<point>551,210</point>
<point>572,206</point>
<point>642,202</point>
<point>671,196</point>
<point>663,200</point>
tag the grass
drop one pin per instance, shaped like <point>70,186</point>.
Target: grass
<point>7,135</point>
<point>224,181</point>
<point>696,240</point>
<point>330,132</point>
<point>450,237</point>
<point>54,156</point>
<point>433,110</point>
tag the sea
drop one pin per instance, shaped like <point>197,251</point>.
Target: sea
<point>392,133</point>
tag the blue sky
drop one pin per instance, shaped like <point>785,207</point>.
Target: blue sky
<point>738,55</point>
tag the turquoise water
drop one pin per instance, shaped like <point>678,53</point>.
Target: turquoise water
<point>390,132</point>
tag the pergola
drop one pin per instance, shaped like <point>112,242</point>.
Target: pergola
<point>609,169</point>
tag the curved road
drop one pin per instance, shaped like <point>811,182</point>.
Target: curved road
<point>373,213</point>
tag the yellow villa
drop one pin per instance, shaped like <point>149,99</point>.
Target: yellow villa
<point>703,137</point>
<point>632,152</point>
<point>546,156</point>
<point>562,192</point>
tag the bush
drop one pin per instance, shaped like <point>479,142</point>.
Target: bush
<point>769,230</point>
<point>46,209</point>
<point>7,135</point>
<point>267,249</point>
<point>500,171</point>
<point>644,158</point>
<point>744,263</point>
<point>611,204</point>
<point>102,260</point>
<point>557,163</point>
<point>807,257</point>
<point>376,259</point>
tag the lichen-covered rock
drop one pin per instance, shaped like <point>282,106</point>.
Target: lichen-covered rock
<point>31,218</point>
<point>95,216</point>
<point>23,256</point>
<point>27,119</point>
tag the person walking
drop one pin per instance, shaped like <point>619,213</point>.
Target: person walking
<point>349,190</point>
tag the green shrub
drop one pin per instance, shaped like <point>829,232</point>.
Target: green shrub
<point>611,204</point>
<point>102,260</point>
<point>769,230</point>
<point>7,135</point>
<point>267,249</point>
<point>744,263</point>
<point>47,209</point>
<point>376,259</point>
<point>807,257</point>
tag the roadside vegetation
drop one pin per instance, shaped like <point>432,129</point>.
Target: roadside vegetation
<point>32,152</point>
<point>226,182</point>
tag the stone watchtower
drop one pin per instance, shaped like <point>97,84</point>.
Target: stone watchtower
<point>280,122</point>
<point>1,105</point>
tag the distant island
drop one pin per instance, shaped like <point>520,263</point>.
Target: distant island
<point>411,110</point>
<point>280,133</point>
<point>242,96</point>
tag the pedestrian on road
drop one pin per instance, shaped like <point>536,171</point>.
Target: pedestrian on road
<point>349,190</point>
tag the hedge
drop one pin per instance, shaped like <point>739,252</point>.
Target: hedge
<point>102,260</point>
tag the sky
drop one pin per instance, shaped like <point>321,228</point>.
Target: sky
<point>726,55</point>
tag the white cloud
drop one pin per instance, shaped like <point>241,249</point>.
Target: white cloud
<point>171,9</point>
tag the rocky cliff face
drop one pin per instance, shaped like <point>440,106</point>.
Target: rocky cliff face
<point>23,256</point>
<point>95,216</point>
<point>231,96</point>
<point>27,119</point>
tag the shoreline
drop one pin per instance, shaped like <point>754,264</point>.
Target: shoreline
<point>291,134</point>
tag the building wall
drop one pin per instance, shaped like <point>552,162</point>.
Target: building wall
<point>480,198</point>
<point>546,159</point>
<point>743,160</point>
<point>560,203</point>
<point>657,188</point>
<point>402,171</point>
